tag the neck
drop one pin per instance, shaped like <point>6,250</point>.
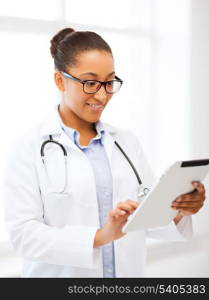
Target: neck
<point>73,121</point>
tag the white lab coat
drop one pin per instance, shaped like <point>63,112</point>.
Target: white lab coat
<point>54,232</point>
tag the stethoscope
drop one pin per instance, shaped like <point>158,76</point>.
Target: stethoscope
<point>142,191</point>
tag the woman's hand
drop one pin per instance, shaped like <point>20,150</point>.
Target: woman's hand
<point>189,204</point>
<point>117,218</point>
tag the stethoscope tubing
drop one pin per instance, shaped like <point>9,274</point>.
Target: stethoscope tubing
<point>145,190</point>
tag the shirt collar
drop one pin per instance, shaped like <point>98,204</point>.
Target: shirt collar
<point>52,125</point>
<point>100,131</point>
<point>74,134</point>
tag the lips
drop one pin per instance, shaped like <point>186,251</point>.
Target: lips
<point>95,107</point>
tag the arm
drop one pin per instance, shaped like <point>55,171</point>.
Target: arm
<point>32,238</point>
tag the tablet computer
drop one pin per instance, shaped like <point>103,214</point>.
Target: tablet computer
<point>155,210</point>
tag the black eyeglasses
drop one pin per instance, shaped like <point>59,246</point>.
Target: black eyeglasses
<point>92,86</point>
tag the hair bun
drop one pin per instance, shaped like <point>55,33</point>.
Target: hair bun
<point>58,38</point>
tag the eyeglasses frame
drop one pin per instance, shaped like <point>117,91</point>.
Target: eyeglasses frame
<point>65,74</point>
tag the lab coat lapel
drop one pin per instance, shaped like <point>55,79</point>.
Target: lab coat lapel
<point>67,142</point>
<point>109,148</point>
<point>52,126</point>
<point>108,145</point>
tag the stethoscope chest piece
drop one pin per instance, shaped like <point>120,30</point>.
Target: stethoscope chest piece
<point>142,193</point>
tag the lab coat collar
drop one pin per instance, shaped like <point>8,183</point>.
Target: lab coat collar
<point>52,126</point>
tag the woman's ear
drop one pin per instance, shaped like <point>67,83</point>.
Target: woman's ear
<point>59,81</point>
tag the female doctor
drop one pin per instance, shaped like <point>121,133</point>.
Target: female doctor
<point>69,189</point>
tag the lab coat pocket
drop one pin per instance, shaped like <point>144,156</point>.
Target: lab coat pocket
<point>57,208</point>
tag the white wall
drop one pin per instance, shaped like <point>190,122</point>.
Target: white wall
<point>200,78</point>
<point>200,98</point>
<point>200,94</point>
<point>191,259</point>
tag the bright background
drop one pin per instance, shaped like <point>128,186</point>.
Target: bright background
<point>161,50</point>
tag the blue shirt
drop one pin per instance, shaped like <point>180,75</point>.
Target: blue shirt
<point>96,154</point>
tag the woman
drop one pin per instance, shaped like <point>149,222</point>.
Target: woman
<point>66,220</point>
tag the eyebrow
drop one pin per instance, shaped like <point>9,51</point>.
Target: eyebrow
<point>94,74</point>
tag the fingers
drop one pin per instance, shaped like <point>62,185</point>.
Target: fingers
<point>197,195</point>
<point>199,186</point>
<point>184,205</point>
<point>124,209</point>
<point>192,202</point>
<point>117,213</point>
<point>128,206</point>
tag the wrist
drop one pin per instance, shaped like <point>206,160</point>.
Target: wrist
<point>97,239</point>
<point>178,217</point>
<point>101,238</point>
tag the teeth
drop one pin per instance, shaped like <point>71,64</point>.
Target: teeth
<point>96,105</point>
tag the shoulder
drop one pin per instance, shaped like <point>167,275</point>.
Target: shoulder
<point>25,143</point>
<point>33,134</point>
<point>130,143</point>
<point>123,135</point>
<point>29,136</point>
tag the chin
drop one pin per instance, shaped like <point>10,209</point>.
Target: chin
<point>93,120</point>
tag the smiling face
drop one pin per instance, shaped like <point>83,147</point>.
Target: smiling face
<point>79,106</point>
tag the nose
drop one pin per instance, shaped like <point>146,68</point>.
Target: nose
<point>101,95</point>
